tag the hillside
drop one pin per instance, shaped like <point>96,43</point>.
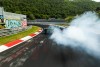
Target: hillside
<point>49,8</point>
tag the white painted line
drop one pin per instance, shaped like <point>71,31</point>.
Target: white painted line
<point>3,48</point>
<point>40,30</point>
<point>36,33</point>
<point>26,38</point>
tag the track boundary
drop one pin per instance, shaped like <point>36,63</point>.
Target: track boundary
<point>19,41</point>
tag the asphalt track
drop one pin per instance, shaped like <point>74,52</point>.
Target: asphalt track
<point>16,56</point>
<point>40,51</point>
<point>51,54</point>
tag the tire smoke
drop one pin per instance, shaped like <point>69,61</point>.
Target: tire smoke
<point>83,33</point>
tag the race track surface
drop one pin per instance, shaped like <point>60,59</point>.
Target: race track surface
<point>53,55</point>
<point>40,51</point>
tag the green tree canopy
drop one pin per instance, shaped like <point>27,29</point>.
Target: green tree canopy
<point>49,8</point>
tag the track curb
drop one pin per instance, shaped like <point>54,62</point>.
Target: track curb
<point>17,42</point>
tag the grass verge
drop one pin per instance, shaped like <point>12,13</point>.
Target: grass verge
<point>4,40</point>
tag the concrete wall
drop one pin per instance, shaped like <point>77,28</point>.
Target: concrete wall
<point>10,23</point>
<point>12,20</point>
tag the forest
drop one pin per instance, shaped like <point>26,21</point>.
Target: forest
<point>44,9</point>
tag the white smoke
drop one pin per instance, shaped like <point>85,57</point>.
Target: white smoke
<point>84,32</point>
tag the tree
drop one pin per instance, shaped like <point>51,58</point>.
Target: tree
<point>49,8</point>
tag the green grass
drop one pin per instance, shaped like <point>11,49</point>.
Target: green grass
<point>4,40</point>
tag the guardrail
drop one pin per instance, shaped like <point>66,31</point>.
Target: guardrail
<point>7,32</point>
<point>47,23</point>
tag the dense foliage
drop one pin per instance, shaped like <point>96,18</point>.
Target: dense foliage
<point>49,8</point>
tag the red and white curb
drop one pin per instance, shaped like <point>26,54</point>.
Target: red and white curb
<point>17,42</point>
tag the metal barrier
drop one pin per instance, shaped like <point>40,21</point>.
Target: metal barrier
<point>7,32</point>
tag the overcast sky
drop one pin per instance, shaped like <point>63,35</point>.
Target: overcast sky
<point>97,0</point>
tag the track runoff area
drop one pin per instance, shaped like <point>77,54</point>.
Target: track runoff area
<point>40,51</point>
